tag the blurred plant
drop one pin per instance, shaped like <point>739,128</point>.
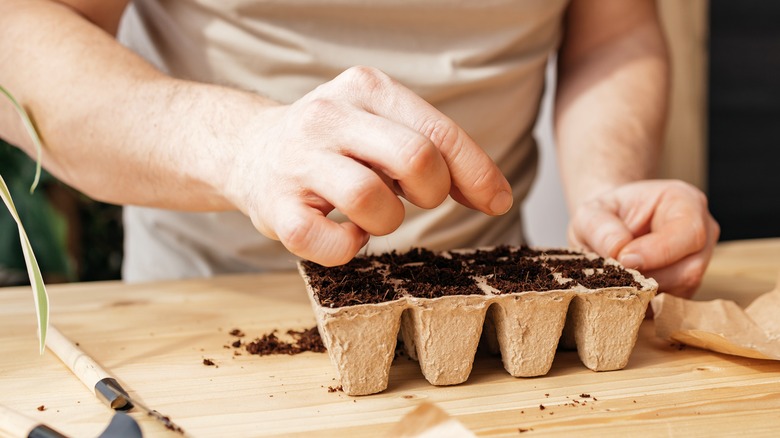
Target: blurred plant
<point>45,224</point>
<point>74,237</point>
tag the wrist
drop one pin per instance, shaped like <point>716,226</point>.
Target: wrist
<point>219,124</point>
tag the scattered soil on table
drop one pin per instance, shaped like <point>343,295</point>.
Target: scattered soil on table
<point>303,341</point>
<point>167,422</point>
<point>41,408</point>
<point>335,388</point>
<point>209,363</point>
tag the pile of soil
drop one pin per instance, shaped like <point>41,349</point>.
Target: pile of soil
<point>269,343</point>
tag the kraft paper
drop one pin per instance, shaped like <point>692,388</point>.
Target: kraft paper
<point>721,325</point>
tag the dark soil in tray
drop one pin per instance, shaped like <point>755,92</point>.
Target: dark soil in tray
<point>611,276</point>
<point>341,286</point>
<point>423,273</point>
<point>428,275</point>
<point>521,275</point>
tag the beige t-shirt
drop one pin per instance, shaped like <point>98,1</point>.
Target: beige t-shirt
<point>481,62</point>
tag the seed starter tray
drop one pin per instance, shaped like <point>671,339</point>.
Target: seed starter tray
<point>520,301</point>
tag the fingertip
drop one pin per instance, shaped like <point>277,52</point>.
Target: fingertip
<point>610,240</point>
<point>631,260</point>
<point>501,203</point>
<point>343,243</point>
<point>314,237</point>
<point>600,230</point>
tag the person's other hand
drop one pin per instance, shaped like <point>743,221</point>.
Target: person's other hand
<point>662,228</point>
<point>355,144</point>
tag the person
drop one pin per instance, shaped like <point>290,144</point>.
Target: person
<point>321,124</point>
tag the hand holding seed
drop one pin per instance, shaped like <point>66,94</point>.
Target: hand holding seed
<point>356,144</point>
<point>663,228</point>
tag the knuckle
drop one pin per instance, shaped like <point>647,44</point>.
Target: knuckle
<point>363,77</point>
<point>320,112</point>
<point>688,189</point>
<point>585,217</point>
<point>371,203</point>
<point>702,198</point>
<point>699,233</point>
<point>482,180</point>
<point>715,227</point>
<point>692,274</point>
<point>444,134</point>
<point>362,194</point>
<point>416,155</point>
<point>295,233</point>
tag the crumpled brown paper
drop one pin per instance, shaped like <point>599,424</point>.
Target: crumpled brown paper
<point>722,325</point>
<point>429,421</point>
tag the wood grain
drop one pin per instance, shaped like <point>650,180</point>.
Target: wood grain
<point>82,366</point>
<point>153,339</point>
<point>14,423</point>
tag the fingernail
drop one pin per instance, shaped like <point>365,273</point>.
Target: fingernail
<point>633,261</point>
<point>501,203</point>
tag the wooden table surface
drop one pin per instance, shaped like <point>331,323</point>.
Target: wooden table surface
<point>153,338</point>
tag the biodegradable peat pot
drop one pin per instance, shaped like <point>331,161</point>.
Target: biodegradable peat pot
<point>526,325</point>
<point>443,335</point>
<point>521,301</point>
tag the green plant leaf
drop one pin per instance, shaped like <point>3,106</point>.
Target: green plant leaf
<point>36,279</point>
<point>30,127</point>
<point>34,272</point>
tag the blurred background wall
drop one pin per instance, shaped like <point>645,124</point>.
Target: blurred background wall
<point>744,117</point>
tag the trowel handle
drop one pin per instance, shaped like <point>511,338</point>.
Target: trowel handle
<point>86,369</point>
<point>16,424</point>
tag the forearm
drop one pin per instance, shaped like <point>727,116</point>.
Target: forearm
<point>610,111</point>
<point>112,125</point>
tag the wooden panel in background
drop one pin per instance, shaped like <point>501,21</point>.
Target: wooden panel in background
<point>686,27</point>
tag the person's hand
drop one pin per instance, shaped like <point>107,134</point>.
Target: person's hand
<point>662,228</point>
<point>356,144</point>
